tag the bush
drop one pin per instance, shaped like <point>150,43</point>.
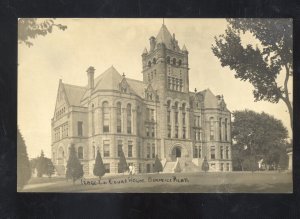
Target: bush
<point>74,167</point>
<point>99,169</point>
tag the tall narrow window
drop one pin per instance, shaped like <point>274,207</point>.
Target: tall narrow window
<point>148,150</point>
<point>227,152</point>
<point>198,120</point>
<point>227,167</point>
<point>130,148</point>
<point>183,118</point>
<point>212,153</point>
<point>120,145</point>
<point>176,131</point>
<point>176,117</point>
<point>200,152</point>
<point>174,61</point>
<point>152,115</point>
<point>220,129</point>
<point>105,117</point>
<point>221,167</point>
<point>169,131</point>
<point>147,132</point>
<point>168,116</point>
<point>153,150</point>
<point>106,148</point>
<point>80,152</point>
<point>129,118</point>
<point>119,118</point>
<point>79,128</point>
<point>183,133</point>
<point>211,128</point>
<point>226,133</point>
<point>168,59</point>
<point>195,152</point>
<point>221,152</point>
<point>153,132</point>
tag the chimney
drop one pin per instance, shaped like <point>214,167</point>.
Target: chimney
<point>152,43</point>
<point>90,73</point>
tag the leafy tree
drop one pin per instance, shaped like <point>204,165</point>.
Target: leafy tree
<point>205,165</point>
<point>99,168</point>
<point>260,67</point>
<point>23,165</point>
<point>30,28</point>
<point>41,166</point>
<point>74,167</point>
<point>257,134</point>
<point>50,167</point>
<point>157,165</point>
<point>123,167</point>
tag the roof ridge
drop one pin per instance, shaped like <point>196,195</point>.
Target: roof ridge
<point>73,85</point>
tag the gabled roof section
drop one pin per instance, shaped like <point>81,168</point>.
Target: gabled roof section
<point>210,100</point>
<point>164,36</point>
<point>108,80</point>
<point>137,86</point>
<point>74,93</point>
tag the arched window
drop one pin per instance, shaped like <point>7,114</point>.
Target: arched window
<point>169,111</point>
<point>119,118</point>
<point>179,62</point>
<point>169,104</point>
<point>211,128</point>
<point>168,59</point>
<point>154,60</point>
<point>174,61</point>
<point>176,112</point>
<point>183,114</point>
<point>226,134</point>
<point>129,118</point>
<point>105,117</point>
<point>149,64</point>
<point>220,129</point>
<point>80,152</point>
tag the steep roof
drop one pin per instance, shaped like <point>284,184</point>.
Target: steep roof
<point>164,36</point>
<point>108,80</point>
<point>138,86</point>
<point>74,93</point>
<point>210,100</point>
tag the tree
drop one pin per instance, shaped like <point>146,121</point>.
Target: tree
<point>258,134</point>
<point>30,28</point>
<point>260,67</point>
<point>74,167</point>
<point>41,165</point>
<point>123,167</point>
<point>23,165</point>
<point>157,165</point>
<point>50,167</point>
<point>205,165</point>
<point>99,168</point>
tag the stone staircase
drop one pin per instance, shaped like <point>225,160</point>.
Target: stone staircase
<point>189,166</point>
<point>169,167</point>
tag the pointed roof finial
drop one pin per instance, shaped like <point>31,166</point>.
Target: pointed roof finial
<point>123,75</point>
<point>195,90</point>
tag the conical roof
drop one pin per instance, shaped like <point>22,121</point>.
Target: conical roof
<point>164,36</point>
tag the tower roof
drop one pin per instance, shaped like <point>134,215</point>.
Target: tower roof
<point>164,36</point>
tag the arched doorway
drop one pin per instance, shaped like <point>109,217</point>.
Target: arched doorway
<point>176,152</point>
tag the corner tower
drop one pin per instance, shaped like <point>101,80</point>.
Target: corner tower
<point>165,65</point>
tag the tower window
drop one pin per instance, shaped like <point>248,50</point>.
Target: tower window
<point>174,61</point>
<point>168,59</point>
<point>179,62</point>
<point>149,64</point>
<point>154,60</point>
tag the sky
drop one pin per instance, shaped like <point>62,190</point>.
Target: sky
<point>102,43</point>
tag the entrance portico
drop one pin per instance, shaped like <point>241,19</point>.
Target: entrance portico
<point>178,151</point>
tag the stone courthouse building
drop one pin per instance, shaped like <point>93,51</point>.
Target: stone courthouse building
<point>156,116</point>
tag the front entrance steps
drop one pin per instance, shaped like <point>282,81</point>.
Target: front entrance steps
<point>184,166</point>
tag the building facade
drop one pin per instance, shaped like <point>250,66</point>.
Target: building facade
<point>156,116</point>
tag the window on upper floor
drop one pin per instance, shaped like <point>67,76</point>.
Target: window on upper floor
<point>120,145</point>
<point>179,62</point>
<point>106,148</point>
<point>130,148</point>
<point>154,60</point>
<point>106,116</point>
<point>168,59</point>
<point>153,150</point>
<point>174,61</point>
<point>149,64</point>
<point>211,129</point>
<point>212,153</point>
<point>226,131</point>
<point>80,128</point>
<point>129,128</point>
<point>119,118</point>
<point>220,129</point>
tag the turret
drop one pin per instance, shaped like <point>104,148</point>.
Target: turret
<point>90,73</point>
<point>152,43</point>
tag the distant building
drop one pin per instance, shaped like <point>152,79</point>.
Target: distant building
<point>159,115</point>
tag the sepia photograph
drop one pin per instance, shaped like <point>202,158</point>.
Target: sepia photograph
<point>156,105</point>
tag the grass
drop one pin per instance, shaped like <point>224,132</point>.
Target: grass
<point>231,182</point>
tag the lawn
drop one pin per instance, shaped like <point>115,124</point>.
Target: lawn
<point>231,182</point>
